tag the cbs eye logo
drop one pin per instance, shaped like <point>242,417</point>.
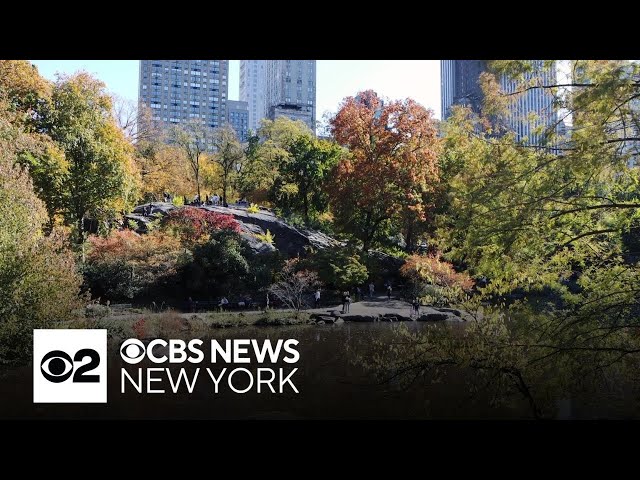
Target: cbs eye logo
<point>59,377</point>
<point>132,351</point>
<point>57,366</point>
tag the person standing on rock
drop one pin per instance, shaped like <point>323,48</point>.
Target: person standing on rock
<point>389,291</point>
<point>372,289</point>
<point>358,294</point>
<point>317,297</point>
<point>416,306</point>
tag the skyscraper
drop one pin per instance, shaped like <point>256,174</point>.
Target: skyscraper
<point>290,90</point>
<point>179,91</point>
<point>252,89</point>
<point>277,88</point>
<point>529,112</point>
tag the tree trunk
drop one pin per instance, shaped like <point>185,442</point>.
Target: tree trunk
<point>410,247</point>
<point>80,238</point>
<point>305,206</point>
<point>198,184</point>
<point>224,190</point>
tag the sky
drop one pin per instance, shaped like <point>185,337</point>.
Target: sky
<point>336,79</point>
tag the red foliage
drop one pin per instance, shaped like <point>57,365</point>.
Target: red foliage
<point>139,328</point>
<point>193,223</point>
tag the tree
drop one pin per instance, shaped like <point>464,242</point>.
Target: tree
<point>194,138</point>
<point>134,120</point>
<point>265,152</point>
<point>229,156</point>
<point>102,177</point>
<point>293,285</point>
<point>338,267</point>
<point>163,168</point>
<point>39,283</point>
<point>22,86</point>
<point>303,174</point>
<point>554,225</point>
<point>392,167</point>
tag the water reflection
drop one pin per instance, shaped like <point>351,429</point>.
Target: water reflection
<point>332,380</point>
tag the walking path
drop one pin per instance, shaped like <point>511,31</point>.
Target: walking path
<point>379,305</point>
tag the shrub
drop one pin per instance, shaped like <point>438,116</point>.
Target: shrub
<point>95,310</point>
<point>338,267</point>
<point>39,282</point>
<point>178,201</point>
<point>266,237</point>
<point>140,329</point>
<point>435,280</point>
<point>253,208</point>
<point>169,325</point>
<point>293,285</point>
<point>126,264</point>
<point>218,265</point>
<point>195,224</point>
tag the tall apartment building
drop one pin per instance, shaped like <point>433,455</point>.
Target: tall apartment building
<point>179,91</point>
<point>291,90</point>
<point>277,88</point>
<point>252,90</point>
<point>460,86</point>
<point>238,118</point>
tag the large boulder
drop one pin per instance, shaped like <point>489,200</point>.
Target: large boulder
<point>395,317</point>
<point>439,317</point>
<point>289,240</point>
<point>359,318</point>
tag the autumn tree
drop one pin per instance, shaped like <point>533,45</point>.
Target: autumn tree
<point>102,177</point>
<point>194,139</point>
<point>229,155</point>
<point>22,86</point>
<point>163,168</point>
<point>392,166</point>
<point>39,284</point>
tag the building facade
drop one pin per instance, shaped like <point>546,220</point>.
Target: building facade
<point>238,118</point>
<point>279,88</point>
<point>179,91</point>
<point>290,90</point>
<point>252,90</point>
<point>530,115</point>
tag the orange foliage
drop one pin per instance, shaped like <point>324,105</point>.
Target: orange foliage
<point>393,163</point>
<point>130,246</point>
<point>430,269</point>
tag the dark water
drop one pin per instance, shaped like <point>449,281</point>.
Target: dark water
<point>331,386</point>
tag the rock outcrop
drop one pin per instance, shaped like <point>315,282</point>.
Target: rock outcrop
<point>289,240</point>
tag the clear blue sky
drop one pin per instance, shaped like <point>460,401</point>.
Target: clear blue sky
<point>336,79</point>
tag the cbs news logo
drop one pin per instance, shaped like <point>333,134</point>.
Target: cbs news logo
<point>69,366</point>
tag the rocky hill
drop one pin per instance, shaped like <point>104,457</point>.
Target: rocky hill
<point>289,240</point>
